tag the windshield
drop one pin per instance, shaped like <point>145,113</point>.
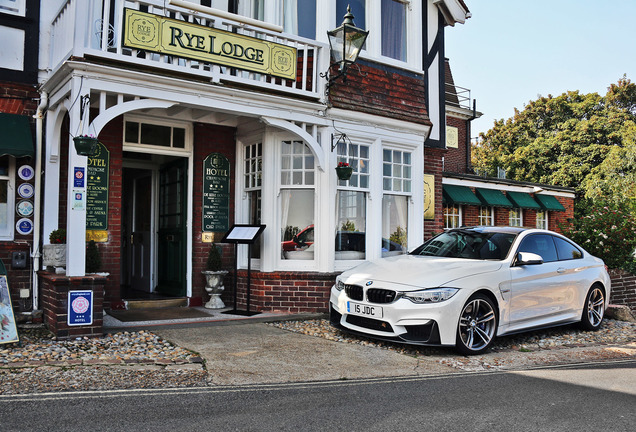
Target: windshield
<point>468,244</point>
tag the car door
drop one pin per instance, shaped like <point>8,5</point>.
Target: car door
<point>540,293</point>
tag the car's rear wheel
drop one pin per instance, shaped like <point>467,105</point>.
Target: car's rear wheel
<point>594,309</point>
<point>477,325</point>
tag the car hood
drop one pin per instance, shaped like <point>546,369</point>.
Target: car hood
<point>417,272</point>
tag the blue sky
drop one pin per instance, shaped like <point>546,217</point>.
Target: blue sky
<point>511,51</point>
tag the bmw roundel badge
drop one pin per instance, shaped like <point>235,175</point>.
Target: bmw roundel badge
<point>369,283</point>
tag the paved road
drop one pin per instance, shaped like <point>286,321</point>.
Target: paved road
<point>569,398</point>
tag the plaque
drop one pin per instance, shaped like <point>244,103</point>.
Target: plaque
<point>97,190</point>
<point>216,193</point>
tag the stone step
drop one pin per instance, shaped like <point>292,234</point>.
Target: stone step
<point>156,303</point>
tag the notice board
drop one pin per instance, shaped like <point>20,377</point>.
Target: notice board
<point>8,329</point>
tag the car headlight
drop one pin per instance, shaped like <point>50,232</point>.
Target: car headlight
<point>340,285</point>
<point>433,295</point>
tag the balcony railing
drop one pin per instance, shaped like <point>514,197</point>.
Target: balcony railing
<point>84,28</point>
<point>458,96</point>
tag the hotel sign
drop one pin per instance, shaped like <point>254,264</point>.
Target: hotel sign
<point>174,37</point>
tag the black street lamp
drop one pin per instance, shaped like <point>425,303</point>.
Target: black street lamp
<point>346,42</point>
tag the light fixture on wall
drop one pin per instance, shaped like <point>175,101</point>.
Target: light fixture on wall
<point>346,42</point>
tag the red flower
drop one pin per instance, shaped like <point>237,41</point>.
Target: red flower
<point>343,165</point>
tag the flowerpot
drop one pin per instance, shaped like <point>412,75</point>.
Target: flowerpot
<point>54,255</point>
<point>86,146</point>
<point>344,173</point>
<point>214,287</point>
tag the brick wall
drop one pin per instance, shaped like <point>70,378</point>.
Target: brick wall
<point>433,165</point>
<point>623,289</point>
<point>455,160</point>
<point>292,292</point>
<point>382,90</point>
<point>54,298</point>
<point>209,139</point>
<point>22,100</point>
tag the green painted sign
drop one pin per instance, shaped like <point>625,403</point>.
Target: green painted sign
<point>97,190</point>
<point>216,193</point>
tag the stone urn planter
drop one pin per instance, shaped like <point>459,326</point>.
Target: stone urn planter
<point>214,287</point>
<point>54,255</point>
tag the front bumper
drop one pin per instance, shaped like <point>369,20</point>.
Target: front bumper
<point>402,320</point>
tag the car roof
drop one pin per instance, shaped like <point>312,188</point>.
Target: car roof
<point>493,229</point>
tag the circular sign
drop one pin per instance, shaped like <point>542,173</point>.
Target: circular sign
<point>24,226</point>
<point>25,190</point>
<point>26,172</point>
<point>24,208</point>
<point>80,305</point>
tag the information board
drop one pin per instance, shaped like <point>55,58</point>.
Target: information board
<point>97,190</point>
<point>80,308</point>
<point>216,193</point>
<point>8,329</point>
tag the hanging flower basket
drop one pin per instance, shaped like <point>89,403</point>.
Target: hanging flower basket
<point>86,145</point>
<point>344,171</point>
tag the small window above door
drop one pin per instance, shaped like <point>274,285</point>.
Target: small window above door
<point>154,135</point>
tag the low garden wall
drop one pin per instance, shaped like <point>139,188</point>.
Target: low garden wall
<point>623,288</point>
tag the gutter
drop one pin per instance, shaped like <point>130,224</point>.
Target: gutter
<point>37,225</point>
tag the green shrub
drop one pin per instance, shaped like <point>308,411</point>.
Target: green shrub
<point>93,259</point>
<point>215,261</point>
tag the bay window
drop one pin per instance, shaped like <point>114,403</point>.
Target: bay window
<point>297,181</point>
<point>396,183</point>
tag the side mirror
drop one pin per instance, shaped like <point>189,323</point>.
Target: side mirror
<point>528,258</point>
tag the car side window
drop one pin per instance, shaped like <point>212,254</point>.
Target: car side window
<point>566,250</point>
<point>540,244</point>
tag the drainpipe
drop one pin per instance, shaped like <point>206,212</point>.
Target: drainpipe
<point>37,226</point>
<point>469,167</point>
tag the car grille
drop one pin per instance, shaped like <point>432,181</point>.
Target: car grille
<point>369,323</point>
<point>377,295</point>
<point>354,292</point>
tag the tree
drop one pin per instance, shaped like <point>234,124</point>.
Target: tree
<point>562,140</point>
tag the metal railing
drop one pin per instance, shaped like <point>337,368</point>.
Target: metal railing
<point>94,28</point>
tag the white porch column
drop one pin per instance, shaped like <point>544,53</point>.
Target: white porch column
<point>76,192</point>
<point>51,206</point>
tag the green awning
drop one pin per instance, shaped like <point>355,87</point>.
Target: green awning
<point>16,139</point>
<point>523,200</point>
<point>549,202</point>
<point>453,194</point>
<point>492,197</point>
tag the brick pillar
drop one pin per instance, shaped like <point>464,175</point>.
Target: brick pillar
<point>54,299</point>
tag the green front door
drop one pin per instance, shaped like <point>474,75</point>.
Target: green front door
<point>171,252</point>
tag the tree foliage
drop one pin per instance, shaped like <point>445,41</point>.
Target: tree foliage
<point>566,141</point>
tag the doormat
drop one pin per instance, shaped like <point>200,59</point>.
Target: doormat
<point>158,314</point>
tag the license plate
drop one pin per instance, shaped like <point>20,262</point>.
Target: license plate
<point>364,310</point>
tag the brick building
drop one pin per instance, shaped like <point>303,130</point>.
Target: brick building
<point>227,117</point>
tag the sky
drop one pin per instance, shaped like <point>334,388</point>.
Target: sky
<point>510,52</point>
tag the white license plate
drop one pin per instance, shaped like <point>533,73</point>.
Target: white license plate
<point>364,310</point>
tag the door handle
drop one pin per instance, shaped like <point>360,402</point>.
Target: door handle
<point>561,270</point>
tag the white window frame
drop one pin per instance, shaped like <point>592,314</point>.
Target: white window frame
<point>293,264</point>
<point>518,221</point>
<point>489,219</point>
<point>9,232</point>
<point>542,219</point>
<point>13,8</point>
<point>458,214</point>
<point>154,149</point>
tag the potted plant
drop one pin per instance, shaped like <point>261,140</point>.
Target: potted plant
<point>214,278</point>
<point>86,145</point>
<point>54,254</point>
<point>344,171</point>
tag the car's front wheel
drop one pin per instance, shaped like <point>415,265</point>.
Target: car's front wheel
<point>477,325</point>
<point>594,309</point>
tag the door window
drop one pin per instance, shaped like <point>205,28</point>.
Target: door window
<point>540,244</point>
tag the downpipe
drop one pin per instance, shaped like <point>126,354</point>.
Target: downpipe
<point>37,202</point>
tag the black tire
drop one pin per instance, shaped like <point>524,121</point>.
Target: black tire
<point>477,325</point>
<point>593,309</point>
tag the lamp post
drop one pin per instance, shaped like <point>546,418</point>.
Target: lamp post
<point>345,42</point>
